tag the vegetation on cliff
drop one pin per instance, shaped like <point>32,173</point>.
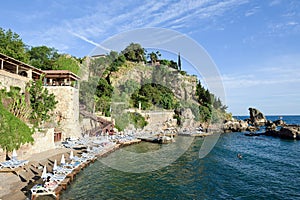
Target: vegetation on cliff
<point>17,109</point>
<point>97,93</point>
<point>154,90</point>
<point>13,131</point>
<point>41,102</point>
<point>152,94</point>
<point>211,108</point>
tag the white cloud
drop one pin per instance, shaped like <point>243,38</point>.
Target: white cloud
<point>278,70</point>
<point>252,11</point>
<point>274,2</point>
<point>108,19</point>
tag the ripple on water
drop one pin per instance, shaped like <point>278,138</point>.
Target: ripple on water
<point>269,170</point>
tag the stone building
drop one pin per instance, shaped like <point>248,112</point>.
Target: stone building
<point>16,73</point>
<point>62,83</point>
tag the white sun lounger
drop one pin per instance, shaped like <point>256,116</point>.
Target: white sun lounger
<point>39,189</point>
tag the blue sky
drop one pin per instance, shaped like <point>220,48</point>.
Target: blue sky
<point>255,44</point>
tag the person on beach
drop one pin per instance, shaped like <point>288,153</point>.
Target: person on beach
<point>50,183</point>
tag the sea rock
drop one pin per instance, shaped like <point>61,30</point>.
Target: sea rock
<point>252,128</point>
<point>257,118</point>
<point>235,126</point>
<point>286,132</point>
<point>270,126</point>
<point>279,122</point>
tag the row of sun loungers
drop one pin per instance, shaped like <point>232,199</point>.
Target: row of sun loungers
<point>13,164</point>
<point>63,173</point>
<point>60,174</point>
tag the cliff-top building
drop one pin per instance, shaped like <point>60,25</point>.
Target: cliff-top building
<point>62,83</point>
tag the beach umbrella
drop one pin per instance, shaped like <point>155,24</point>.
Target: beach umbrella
<point>44,174</point>
<point>14,154</point>
<point>62,161</point>
<point>71,155</point>
<point>55,165</point>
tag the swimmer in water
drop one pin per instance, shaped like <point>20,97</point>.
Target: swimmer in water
<point>239,156</point>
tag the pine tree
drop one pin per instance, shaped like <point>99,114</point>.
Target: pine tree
<point>179,62</point>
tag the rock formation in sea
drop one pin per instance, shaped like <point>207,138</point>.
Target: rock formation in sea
<point>285,132</point>
<point>235,125</point>
<point>257,118</point>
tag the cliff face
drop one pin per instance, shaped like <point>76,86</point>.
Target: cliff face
<point>183,86</point>
<point>132,76</point>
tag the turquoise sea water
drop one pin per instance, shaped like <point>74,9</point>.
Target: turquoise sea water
<point>270,169</point>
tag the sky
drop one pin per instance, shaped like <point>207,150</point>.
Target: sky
<point>254,44</point>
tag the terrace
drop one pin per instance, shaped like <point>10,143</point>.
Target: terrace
<point>19,68</point>
<point>60,78</point>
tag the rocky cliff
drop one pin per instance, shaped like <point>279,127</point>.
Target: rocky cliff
<point>132,76</point>
<point>183,86</point>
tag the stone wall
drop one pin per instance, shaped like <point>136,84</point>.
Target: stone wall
<point>8,79</point>
<point>67,110</point>
<point>43,141</point>
<point>157,119</point>
<point>88,124</point>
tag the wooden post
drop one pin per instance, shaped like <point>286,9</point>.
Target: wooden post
<point>1,64</point>
<point>29,73</point>
<point>17,70</point>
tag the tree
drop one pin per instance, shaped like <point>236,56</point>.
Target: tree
<point>154,94</point>
<point>16,103</point>
<point>173,64</point>
<point>13,131</point>
<point>205,113</point>
<point>43,57</point>
<point>66,62</point>
<point>134,52</point>
<point>217,103</point>
<point>12,45</point>
<point>87,91</point>
<point>129,86</point>
<point>103,96</point>
<point>154,57</point>
<point>118,61</point>
<point>179,62</point>
<point>41,102</point>
<point>98,66</point>
<point>202,94</point>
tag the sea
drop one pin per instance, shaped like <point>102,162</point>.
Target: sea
<point>269,169</point>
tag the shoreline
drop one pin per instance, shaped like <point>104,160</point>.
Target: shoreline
<point>12,186</point>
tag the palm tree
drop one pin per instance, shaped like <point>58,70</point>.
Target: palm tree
<point>154,57</point>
